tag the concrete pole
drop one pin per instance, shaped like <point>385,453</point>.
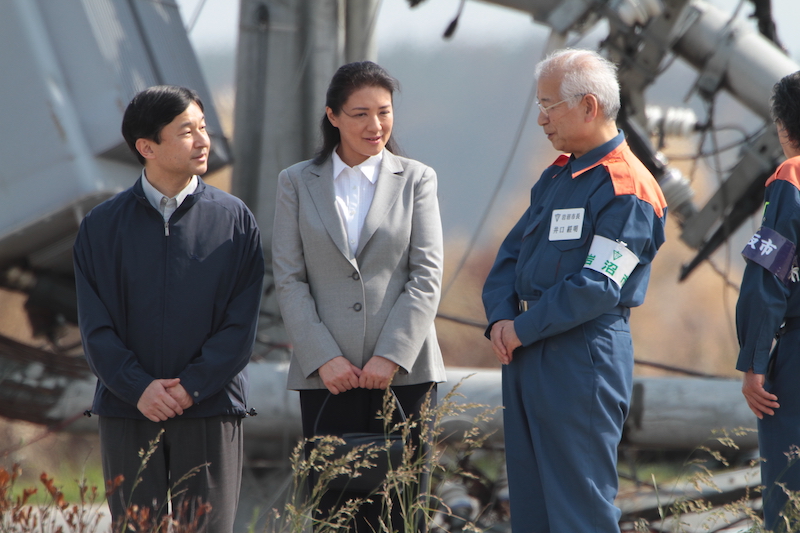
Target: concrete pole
<point>287,54</point>
<point>251,72</point>
<point>288,50</point>
<point>666,413</point>
<point>361,19</point>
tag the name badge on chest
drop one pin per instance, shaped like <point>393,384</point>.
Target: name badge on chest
<point>566,224</point>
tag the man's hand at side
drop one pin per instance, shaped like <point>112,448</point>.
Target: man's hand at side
<point>156,403</point>
<point>759,400</point>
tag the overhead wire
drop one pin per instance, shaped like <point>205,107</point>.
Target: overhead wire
<point>498,186</point>
<point>723,273</point>
<point>696,161</point>
<point>47,432</point>
<point>725,277</point>
<point>653,364</point>
<point>726,148</point>
<point>196,15</point>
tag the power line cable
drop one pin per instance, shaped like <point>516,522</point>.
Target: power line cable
<point>195,16</point>
<point>710,132</point>
<point>722,149</point>
<point>723,273</point>
<point>503,175</point>
<point>463,321</point>
<point>653,364</point>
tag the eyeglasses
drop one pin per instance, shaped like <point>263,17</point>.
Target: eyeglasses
<point>545,109</point>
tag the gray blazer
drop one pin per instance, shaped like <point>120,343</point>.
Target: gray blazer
<point>380,302</point>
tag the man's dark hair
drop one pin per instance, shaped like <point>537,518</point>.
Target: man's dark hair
<point>786,106</point>
<point>151,110</point>
<point>347,80</point>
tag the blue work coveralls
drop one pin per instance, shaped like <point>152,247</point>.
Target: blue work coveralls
<point>567,389</point>
<point>765,302</point>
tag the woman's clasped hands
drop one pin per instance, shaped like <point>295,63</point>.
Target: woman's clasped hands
<point>341,375</point>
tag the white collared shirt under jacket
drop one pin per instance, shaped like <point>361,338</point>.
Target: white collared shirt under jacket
<point>354,188</point>
<point>166,206</point>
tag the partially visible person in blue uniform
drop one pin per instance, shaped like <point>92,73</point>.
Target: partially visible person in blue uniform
<point>558,300</point>
<point>769,306</point>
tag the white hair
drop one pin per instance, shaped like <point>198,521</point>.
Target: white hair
<point>584,72</point>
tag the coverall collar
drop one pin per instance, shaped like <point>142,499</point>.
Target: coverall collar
<point>594,157</point>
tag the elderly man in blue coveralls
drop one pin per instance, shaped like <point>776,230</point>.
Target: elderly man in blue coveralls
<point>769,306</point>
<point>558,300</point>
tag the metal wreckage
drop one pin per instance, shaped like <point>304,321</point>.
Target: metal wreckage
<point>76,64</point>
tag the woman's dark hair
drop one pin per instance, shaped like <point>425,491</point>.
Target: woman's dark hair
<point>151,110</point>
<point>786,106</point>
<point>348,79</point>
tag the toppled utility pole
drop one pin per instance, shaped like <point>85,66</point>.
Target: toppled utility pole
<point>288,51</point>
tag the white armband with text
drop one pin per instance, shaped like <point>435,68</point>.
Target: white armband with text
<point>612,259</point>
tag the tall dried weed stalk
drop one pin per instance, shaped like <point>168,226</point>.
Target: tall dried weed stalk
<point>298,514</point>
<point>407,484</point>
<point>19,513</point>
<point>713,517</point>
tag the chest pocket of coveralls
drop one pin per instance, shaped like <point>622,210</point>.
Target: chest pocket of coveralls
<point>573,251</point>
<point>570,244</point>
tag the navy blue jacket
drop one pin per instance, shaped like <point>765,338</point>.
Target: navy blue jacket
<point>622,201</point>
<point>153,306</point>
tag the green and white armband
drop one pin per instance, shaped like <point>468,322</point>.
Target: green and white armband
<point>612,259</point>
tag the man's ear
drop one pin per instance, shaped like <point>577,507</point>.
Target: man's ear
<point>591,107</point>
<point>145,147</point>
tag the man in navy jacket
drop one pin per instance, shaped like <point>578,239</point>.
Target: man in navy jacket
<point>558,300</point>
<point>169,276</point>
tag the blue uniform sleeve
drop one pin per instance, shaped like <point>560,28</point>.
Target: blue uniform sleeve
<point>762,304</point>
<point>499,296</point>
<point>227,351</point>
<point>586,294</point>
<point>111,361</point>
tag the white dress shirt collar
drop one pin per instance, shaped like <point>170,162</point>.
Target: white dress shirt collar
<point>354,189</point>
<point>155,197</point>
<point>369,167</point>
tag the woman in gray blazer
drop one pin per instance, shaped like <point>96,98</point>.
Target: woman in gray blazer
<point>357,259</point>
